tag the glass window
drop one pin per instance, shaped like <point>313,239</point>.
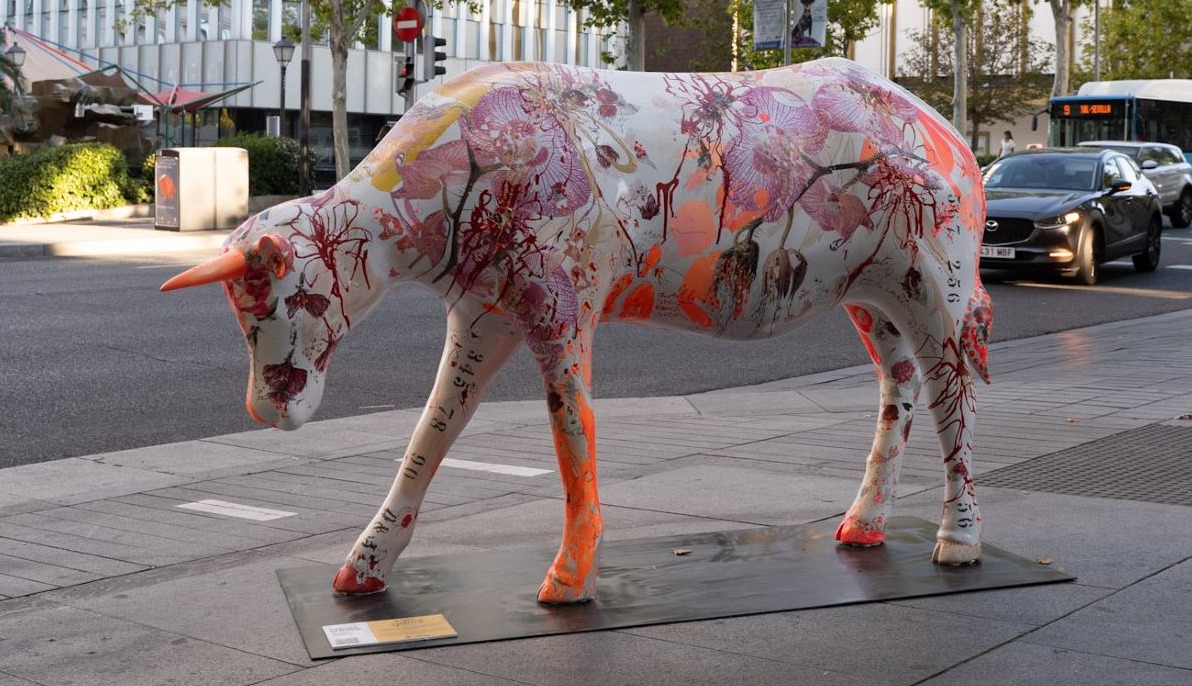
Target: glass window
<point>1123,168</point>
<point>260,19</point>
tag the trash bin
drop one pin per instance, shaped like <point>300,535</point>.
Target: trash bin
<point>197,189</point>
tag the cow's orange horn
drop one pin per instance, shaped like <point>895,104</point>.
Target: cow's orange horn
<point>227,266</point>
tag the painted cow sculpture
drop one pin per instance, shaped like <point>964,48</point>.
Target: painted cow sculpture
<point>540,200</point>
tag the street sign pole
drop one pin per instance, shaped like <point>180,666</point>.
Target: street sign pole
<point>407,27</point>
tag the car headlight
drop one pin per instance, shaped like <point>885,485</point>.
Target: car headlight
<point>1062,221</point>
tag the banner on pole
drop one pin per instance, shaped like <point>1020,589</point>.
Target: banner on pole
<point>810,28</point>
<point>769,16</point>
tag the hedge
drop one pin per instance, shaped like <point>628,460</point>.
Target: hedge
<point>272,162</point>
<point>76,176</point>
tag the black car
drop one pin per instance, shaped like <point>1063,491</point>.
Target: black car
<point>1067,210</point>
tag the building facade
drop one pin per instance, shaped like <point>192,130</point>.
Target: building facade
<point>203,46</point>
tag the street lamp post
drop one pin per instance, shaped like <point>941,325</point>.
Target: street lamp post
<point>15,54</point>
<point>283,50</point>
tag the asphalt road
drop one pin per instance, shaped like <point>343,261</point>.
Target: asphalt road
<point>96,360</point>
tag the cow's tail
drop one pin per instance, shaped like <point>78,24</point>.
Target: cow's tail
<point>975,329</point>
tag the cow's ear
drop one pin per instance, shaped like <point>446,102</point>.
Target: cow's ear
<point>277,253</point>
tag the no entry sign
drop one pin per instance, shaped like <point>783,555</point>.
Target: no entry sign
<point>407,24</point>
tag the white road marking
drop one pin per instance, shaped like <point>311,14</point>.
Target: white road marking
<point>222,507</point>
<point>495,468</point>
<point>1177,266</point>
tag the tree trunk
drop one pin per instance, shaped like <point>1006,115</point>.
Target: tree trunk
<point>338,38</point>
<point>960,67</point>
<point>1062,12</point>
<point>635,36</point>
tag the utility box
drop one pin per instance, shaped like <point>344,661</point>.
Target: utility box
<point>197,189</point>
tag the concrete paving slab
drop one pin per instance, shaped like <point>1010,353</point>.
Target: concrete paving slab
<point>15,586</point>
<point>315,440</point>
<point>870,643</point>
<point>54,556</point>
<point>385,669</point>
<point>243,586</point>
<point>75,480</point>
<point>198,459</point>
<point>1157,610</point>
<point>10,680</point>
<point>50,644</point>
<point>100,545</point>
<point>1034,605</point>
<point>743,404</point>
<point>615,658</point>
<point>1023,662</point>
<point>1104,543</point>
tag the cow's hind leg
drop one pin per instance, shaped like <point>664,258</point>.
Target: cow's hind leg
<point>933,328</point>
<point>953,403</point>
<point>476,348</point>
<point>898,375</point>
<point>566,370</point>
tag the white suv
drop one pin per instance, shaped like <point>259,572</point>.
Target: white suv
<point>1167,168</point>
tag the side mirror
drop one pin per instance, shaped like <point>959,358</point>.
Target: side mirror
<point>1119,184</point>
<point>1149,164</point>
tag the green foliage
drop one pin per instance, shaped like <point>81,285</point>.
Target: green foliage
<point>1007,69</point>
<point>848,22</point>
<point>272,162</point>
<point>607,14</point>
<point>1140,39</point>
<point>79,176</point>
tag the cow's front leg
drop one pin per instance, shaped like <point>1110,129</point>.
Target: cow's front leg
<point>476,348</point>
<point>898,375</point>
<point>567,374</point>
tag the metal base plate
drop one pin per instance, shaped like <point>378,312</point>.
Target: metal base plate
<point>490,596</point>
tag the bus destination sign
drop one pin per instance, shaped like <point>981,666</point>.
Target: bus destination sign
<point>1087,109</point>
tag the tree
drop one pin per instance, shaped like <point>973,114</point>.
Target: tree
<point>1143,39</point>
<point>1007,68</point>
<point>1061,12</point>
<point>848,22</point>
<point>608,15</point>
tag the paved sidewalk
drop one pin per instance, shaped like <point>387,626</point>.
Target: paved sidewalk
<point>107,236</point>
<point>106,579</point>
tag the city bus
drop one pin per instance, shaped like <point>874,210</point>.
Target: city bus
<point>1158,110</point>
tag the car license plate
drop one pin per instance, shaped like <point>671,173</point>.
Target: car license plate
<point>998,252</point>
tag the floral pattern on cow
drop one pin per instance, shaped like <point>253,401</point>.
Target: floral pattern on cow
<point>539,200</point>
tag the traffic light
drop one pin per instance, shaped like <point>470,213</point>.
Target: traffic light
<point>403,67</point>
<point>431,56</point>
<point>404,70</point>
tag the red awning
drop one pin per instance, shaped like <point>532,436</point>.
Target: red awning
<point>183,100</point>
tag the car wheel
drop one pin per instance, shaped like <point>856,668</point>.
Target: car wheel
<point>1087,268</point>
<point>1148,259</point>
<point>1181,214</point>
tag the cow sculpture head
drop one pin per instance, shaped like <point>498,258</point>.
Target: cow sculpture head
<point>293,275</point>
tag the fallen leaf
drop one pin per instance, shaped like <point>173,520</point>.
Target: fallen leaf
<point>681,551</point>
<point>1044,560</point>
<point>1072,420</point>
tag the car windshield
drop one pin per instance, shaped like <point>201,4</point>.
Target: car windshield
<point>1050,172</point>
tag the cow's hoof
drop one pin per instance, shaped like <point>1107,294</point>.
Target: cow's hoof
<point>352,582</point>
<point>850,532</point>
<point>555,592</point>
<point>953,553</point>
